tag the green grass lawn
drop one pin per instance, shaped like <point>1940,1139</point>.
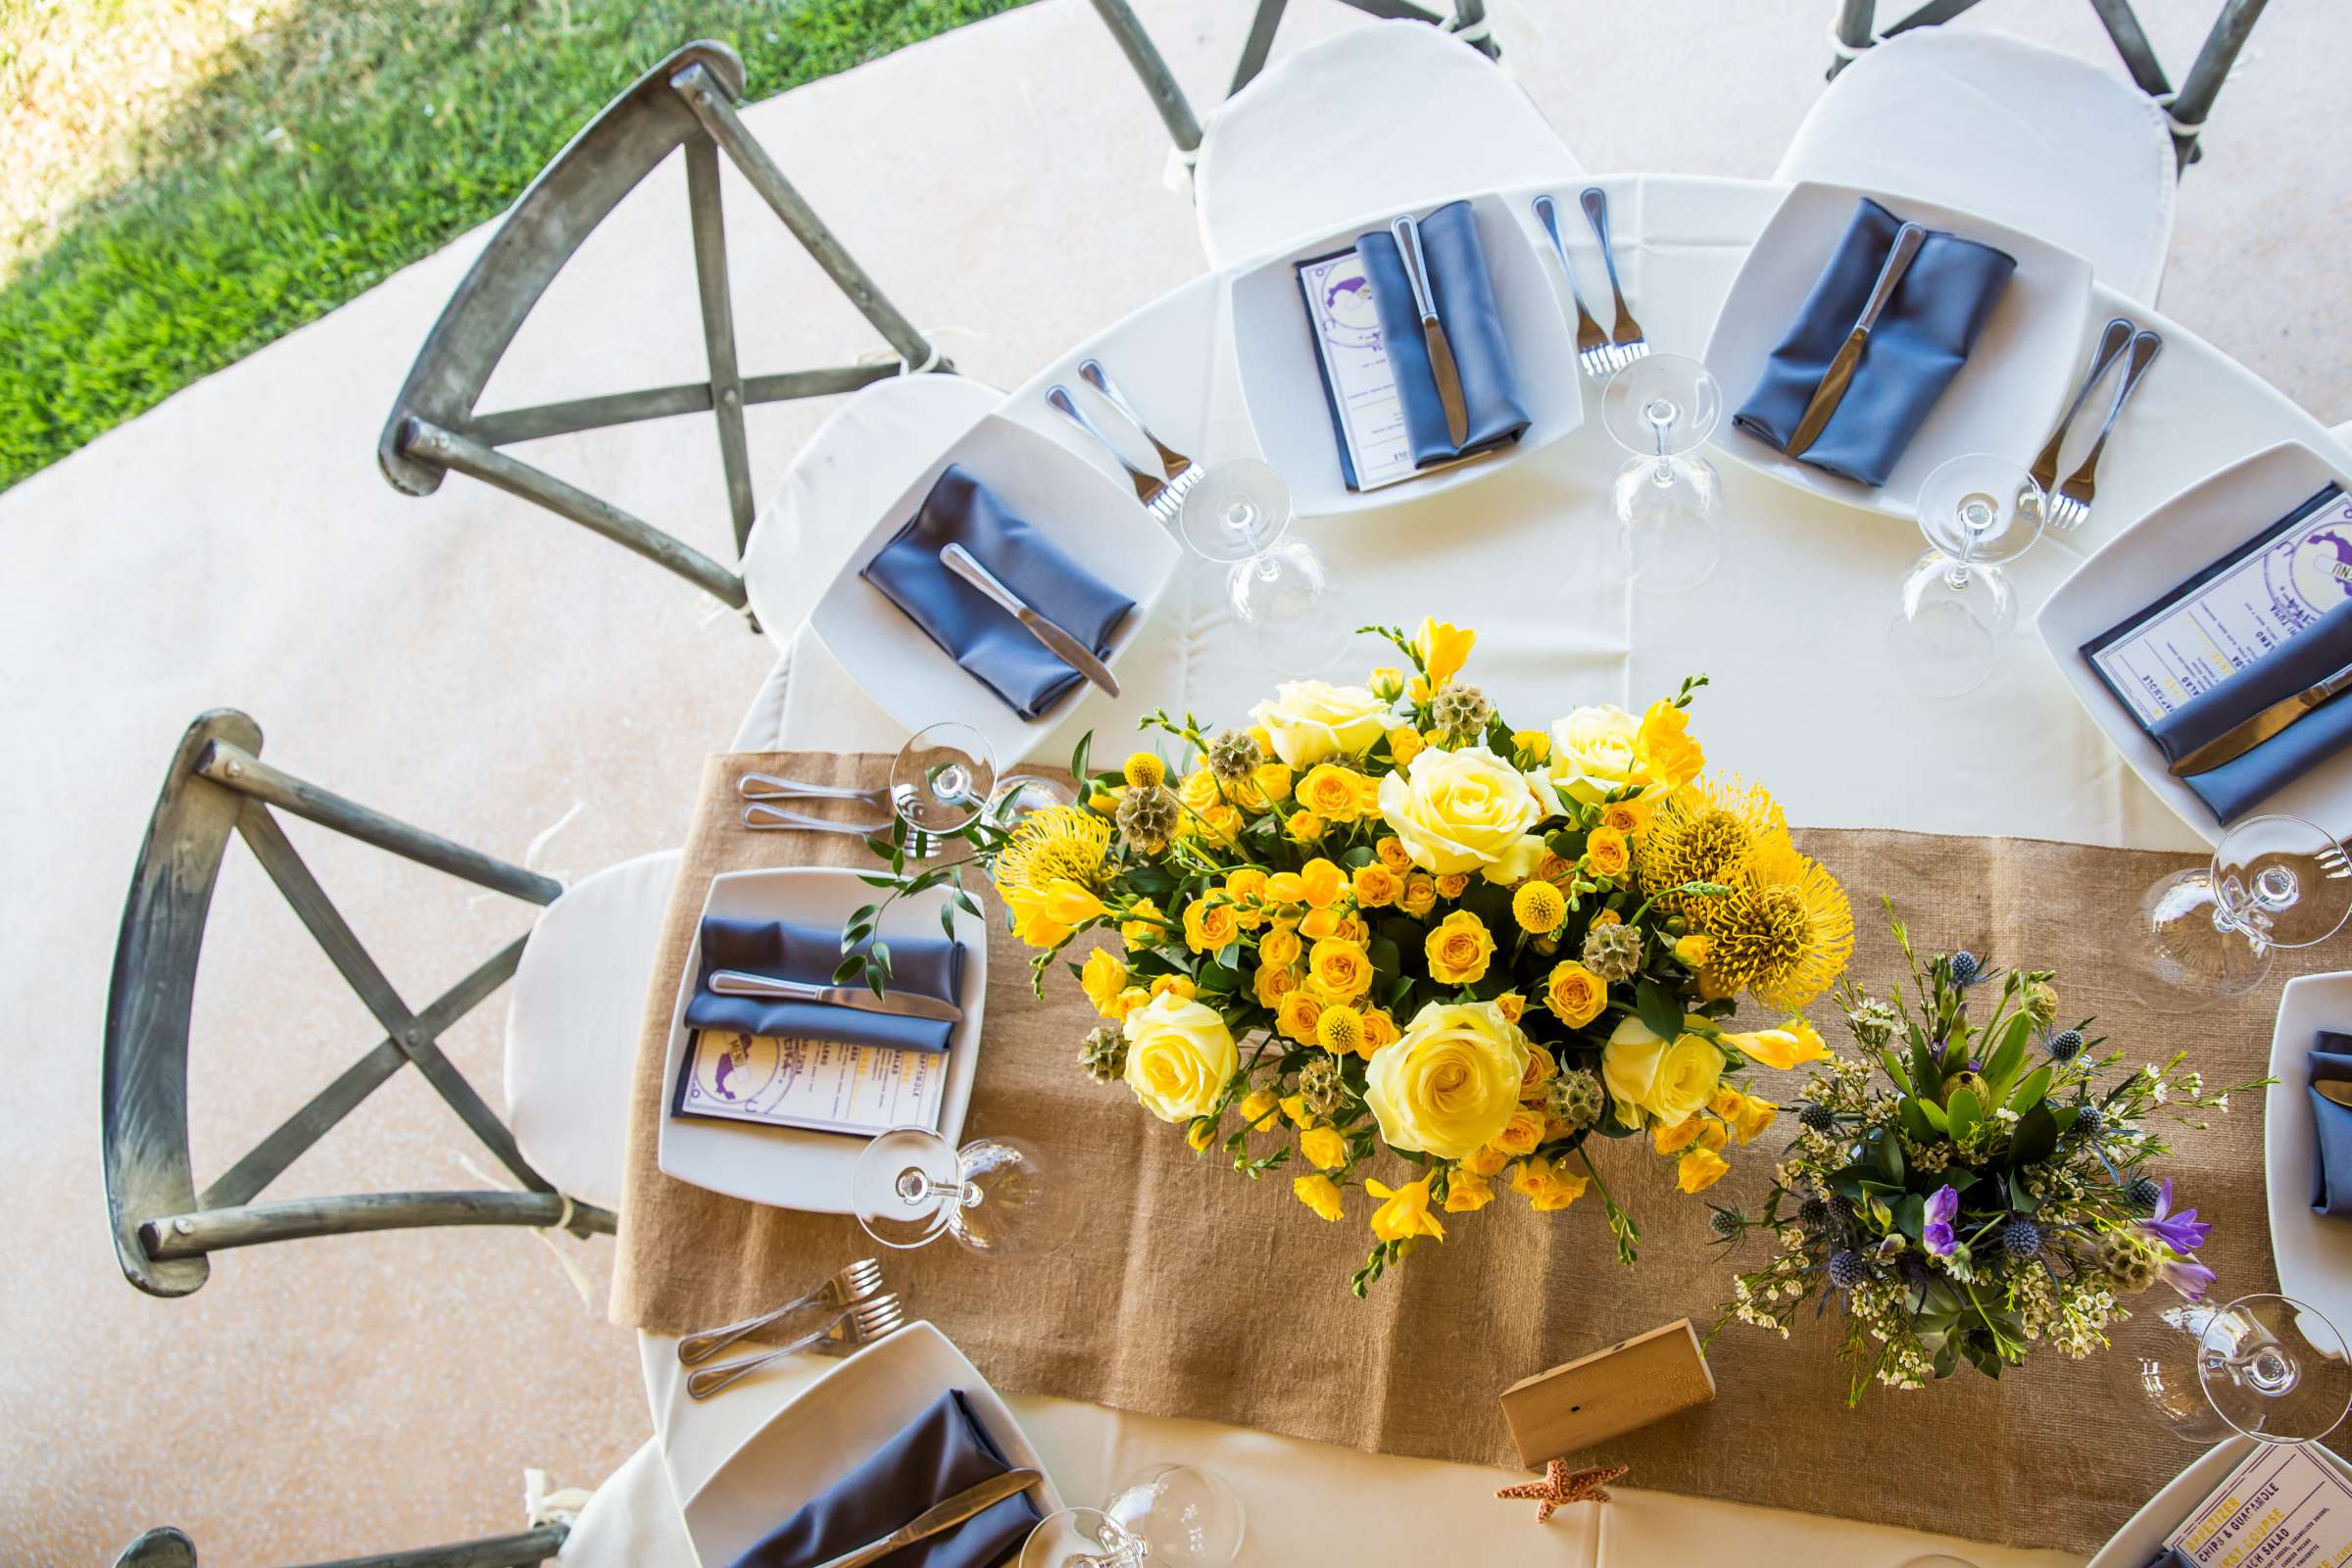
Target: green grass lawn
<point>336,144</point>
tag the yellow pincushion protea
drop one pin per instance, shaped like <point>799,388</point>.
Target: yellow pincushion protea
<point>1701,833</point>
<point>1057,842</point>
<point>1783,933</point>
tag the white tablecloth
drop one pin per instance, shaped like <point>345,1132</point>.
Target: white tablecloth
<point>1802,698</point>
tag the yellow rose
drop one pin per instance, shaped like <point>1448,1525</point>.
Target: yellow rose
<point>1628,818</point>
<point>1209,927</point>
<point>1387,683</point>
<point>1784,1048</point>
<point>1304,827</point>
<point>1179,1056</point>
<point>1443,650</point>
<point>1486,1161</point>
<point>1669,1080</point>
<point>1221,822</point>
<point>1522,1133</point>
<point>1246,888</point>
<point>1541,1069</point>
<point>1272,781</point>
<point>1592,753</point>
<point>1420,894</point>
<point>1664,754</point>
<point>1103,978</point>
<point>1310,721</point>
<point>1700,1169</point>
<point>1318,1193</point>
<point>1744,1113</point>
<point>1459,949</point>
<point>1175,985</point>
<point>1405,744</point>
<point>1453,885</point>
<point>1279,947</point>
<point>1467,1191</point>
<point>1258,1108</point>
<point>1341,968</point>
<point>1379,1030</point>
<point>1447,1085</point>
<point>1392,855</point>
<point>1327,1146</point>
<point>1460,811</point>
<point>1376,886</point>
<point>1200,789</point>
<point>1606,853</point>
<point>1405,1213</point>
<point>1330,792</point>
<point>1142,927</point>
<point>1575,993</point>
<point>1124,1007</point>
<point>1272,983</point>
<point>1298,1013</point>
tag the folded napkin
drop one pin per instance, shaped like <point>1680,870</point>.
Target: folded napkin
<point>1920,342</point>
<point>930,967</point>
<point>2331,1183</point>
<point>2245,781</point>
<point>966,623</point>
<point>1464,293</point>
<point>934,1456</point>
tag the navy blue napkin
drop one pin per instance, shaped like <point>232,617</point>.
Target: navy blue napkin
<point>1920,342</point>
<point>934,1456</point>
<point>1464,293</point>
<point>966,623</point>
<point>2331,1182</point>
<point>2244,782</point>
<point>930,967</point>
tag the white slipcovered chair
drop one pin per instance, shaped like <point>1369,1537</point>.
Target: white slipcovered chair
<point>2031,138</point>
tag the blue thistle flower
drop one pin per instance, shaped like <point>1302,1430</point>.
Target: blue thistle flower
<point>2066,1045</point>
<point>2021,1236</point>
<point>2143,1193</point>
<point>1819,1117</point>
<point>2090,1121</point>
<point>1966,970</point>
<point>1813,1213</point>
<point>1846,1270</point>
<point>1724,1223</point>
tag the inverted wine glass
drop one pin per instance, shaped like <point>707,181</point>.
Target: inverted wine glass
<point>2268,1366</point>
<point>1668,499</point>
<point>911,1185</point>
<point>1166,1514</point>
<point>1977,513</point>
<point>942,778</point>
<point>1237,516</point>
<point>2207,932</point>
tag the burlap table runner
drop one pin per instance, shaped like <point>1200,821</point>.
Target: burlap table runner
<point>1187,1291</point>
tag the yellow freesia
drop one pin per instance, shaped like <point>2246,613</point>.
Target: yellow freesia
<point>1404,1212</point>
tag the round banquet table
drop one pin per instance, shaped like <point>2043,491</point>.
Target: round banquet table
<point>1791,636</point>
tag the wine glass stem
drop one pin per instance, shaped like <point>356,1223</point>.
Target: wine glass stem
<point>918,1189</point>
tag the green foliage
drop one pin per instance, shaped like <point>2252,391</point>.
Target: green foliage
<point>336,146</point>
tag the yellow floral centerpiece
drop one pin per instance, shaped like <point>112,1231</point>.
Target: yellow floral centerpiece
<point>1383,940</point>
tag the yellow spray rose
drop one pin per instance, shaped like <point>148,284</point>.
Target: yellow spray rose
<point>1605,851</point>
<point>1318,1193</point>
<point>1376,886</point>
<point>1298,1013</point>
<point>1175,985</point>
<point>1575,993</point>
<point>1179,1056</point>
<point>1270,782</point>
<point>1330,792</point>
<point>1459,949</point>
<point>1379,1030</point>
<point>1341,968</point>
<point>1310,721</point>
<point>1327,1146</point>
<point>1744,1114</point>
<point>1392,855</point>
<point>1209,927</point>
<point>1420,894</point>
<point>1405,744</point>
<point>1142,927</point>
<point>1522,1133</point>
<point>1667,1079</point>
<point>1305,827</point>
<point>1447,1085</point>
<point>1467,1191</point>
<point>1102,977</point>
<point>1272,983</point>
<point>1461,811</point>
<point>1279,947</point>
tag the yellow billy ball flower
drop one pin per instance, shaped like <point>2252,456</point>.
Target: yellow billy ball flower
<point>1339,1030</point>
<point>1459,949</point>
<point>1318,1193</point>
<point>1605,851</point>
<point>1375,886</point>
<point>1575,993</point>
<point>1342,970</point>
<point>1539,908</point>
<point>1143,770</point>
<point>1327,1146</point>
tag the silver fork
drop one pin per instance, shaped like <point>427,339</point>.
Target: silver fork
<point>768,787</point>
<point>875,1318</point>
<point>1625,335</point>
<point>1594,353</point>
<point>2332,860</point>
<point>2069,509</point>
<point>1183,471</point>
<point>1150,488</point>
<point>768,816</point>
<point>846,1288</point>
<point>2114,338</point>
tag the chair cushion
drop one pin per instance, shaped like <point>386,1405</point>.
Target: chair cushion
<point>859,461</point>
<point>632,1521</point>
<point>2037,140</point>
<point>572,1020</point>
<point>1385,117</point>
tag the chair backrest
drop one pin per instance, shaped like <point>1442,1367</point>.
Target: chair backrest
<point>1855,31</point>
<point>168,1547</point>
<point>1467,19</point>
<point>165,1228</point>
<point>686,102</point>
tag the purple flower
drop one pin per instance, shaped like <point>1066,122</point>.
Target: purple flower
<point>2181,1232</point>
<point>2188,1276</point>
<point>1936,1235</point>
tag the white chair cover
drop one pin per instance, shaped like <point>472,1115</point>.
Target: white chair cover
<point>633,1520</point>
<point>572,1019</point>
<point>1385,117</point>
<point>857,464</point>
<point>2045,143</point>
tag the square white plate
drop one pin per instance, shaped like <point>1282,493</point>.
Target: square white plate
<point>2004,400</point>
<point>1282,380</point>
<point>789,1166</point>
<point>2313,1254</point>
<point>2142,1536</point>
<point>2147,560</point>
<point>1078,507</point>
<point>834,1427</point>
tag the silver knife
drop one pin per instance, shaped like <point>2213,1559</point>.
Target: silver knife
<point>1080,658</point>
<point>941,1516</point>
<point>1441,369</point>
<point>1840,373</point>
<point>901,1004</point>
<point>2243,736</point>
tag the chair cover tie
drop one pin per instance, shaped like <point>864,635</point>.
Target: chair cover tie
<point>563,1221</point>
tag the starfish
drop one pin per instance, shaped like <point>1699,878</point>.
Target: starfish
<point>1562,1484</point>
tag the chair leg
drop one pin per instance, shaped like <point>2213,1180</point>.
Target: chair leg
<point>2195,101</point>
<point>1852,30</point>
<point>1160,83</point>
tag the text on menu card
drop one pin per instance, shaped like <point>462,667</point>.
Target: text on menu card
<point>821,1085</point>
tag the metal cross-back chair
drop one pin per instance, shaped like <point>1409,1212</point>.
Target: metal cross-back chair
<point>687,102</point>
<point>164,1228</point>
<point>166,1548</point>
<point>2184,110</point>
